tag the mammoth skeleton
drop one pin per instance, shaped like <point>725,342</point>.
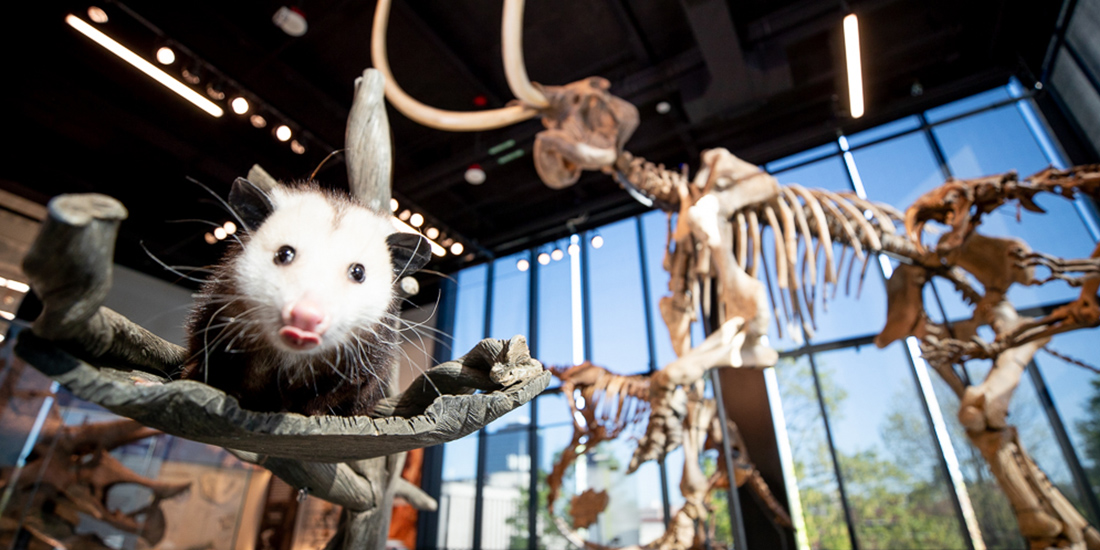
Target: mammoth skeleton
<point>716,242</point>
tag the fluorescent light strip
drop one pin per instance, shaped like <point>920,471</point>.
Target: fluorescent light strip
<point>437,249</point>
<point>143,65</point>
<point>855,69</point>
<point>14,285</point>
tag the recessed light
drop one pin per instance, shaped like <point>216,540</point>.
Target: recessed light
<point>165,55</point>
<point>239,105</point>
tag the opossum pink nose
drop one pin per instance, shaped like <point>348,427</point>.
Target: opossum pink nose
<point>306,315</point>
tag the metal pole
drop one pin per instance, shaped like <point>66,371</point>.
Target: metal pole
<point>832,453</point>
<point>1080,480</point>
<point>482,436</point>
<point>737,523</point>
<point>532,425</point>
<point>651,341</point>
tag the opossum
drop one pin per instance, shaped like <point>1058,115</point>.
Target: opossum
<point>301,313</point>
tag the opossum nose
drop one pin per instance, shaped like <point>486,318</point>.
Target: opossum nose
<point>306,315</point>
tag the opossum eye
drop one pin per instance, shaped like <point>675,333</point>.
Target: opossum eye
<point>284,255</point>
<point>357,273</point>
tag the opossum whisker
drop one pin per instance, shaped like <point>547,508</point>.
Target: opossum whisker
<point>225,204</point>
<point>166,266</point>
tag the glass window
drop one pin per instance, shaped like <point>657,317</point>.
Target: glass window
<point>469,309</point>
<point>899,126</point>
<point>997,141</point>
<point>897,492</point>
<point>655,230</point>
<point>505,496</point>
<point>817,483</point>
<point>511,302</point>
<point>966,105</point>
<point>805,156</point>
<point>1075,391</point>
<point>617,310</point>
<point>554,339</point>
<point>458,493</point>
<point>884,182</point>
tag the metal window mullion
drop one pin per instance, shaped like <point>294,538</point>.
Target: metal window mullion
<point>427,528</point>
<point>666,501</point>
<point>1059,39</point>
<point>844,504</point>
<point>532,424</point>
<point>934,143</point>
<point>586,297</point>
<point>1080,479</point>
<point>482,435</point>
<point>737,523</point>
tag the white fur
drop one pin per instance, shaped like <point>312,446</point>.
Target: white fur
<point>304,220</point>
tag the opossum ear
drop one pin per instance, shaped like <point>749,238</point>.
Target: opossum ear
<point>250,202</point>
<point>409,252</point>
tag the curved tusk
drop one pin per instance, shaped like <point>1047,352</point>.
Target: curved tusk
<point>511,38</point>
<point>454,121</point>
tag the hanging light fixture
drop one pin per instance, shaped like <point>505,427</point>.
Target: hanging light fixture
<point>597,241</point>
<point>523,265</point>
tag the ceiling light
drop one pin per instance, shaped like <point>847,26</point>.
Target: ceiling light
<point>393,205</point>
<point>664,107</point>
<point>297,147</point>
<point>404,215</point>
<point>219,233</point>
<point>230,227</point>
<point>17,286</point>
<point>523,265</point>
<point>456,249</point>
<point>210,238</point>
<point>597,241</point>
<point>432,233</point>
<point>239,105</point>
<point>404,228</point>
<point>291,20</point>
<point>544,258</point>
<point>416,220</point>
<point>557,254</point>
<point>283,133</point>
<point>165,55</point>
<point>258,121</point>
<point>574,248</point>
<point>97,15</point>
<point>474,175</point>
<point>448,241</point>
<point>142,65</point>
<point>855,70</point>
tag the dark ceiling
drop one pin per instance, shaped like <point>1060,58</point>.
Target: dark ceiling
<point>761,78</point>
